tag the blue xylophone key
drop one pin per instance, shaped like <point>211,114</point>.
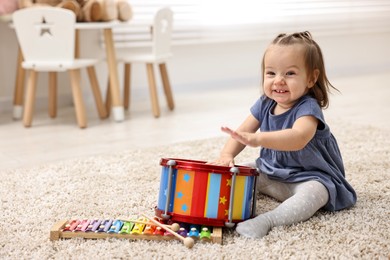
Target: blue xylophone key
<point>194,231</point>
<point>116,226</point>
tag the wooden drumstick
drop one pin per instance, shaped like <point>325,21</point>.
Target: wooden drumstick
<point>174,226</point>
<point>187,241</point>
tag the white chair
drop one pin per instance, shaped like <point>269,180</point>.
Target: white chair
<point>159,53</point>
<point>46,37</point>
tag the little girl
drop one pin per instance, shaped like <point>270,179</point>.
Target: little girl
<point>300,163</point>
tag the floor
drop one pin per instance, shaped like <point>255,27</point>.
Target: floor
<point>363,99</point>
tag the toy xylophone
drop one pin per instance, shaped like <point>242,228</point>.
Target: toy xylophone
<point>140,228</point>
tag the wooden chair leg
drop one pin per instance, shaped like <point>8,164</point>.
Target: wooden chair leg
<point>153,90</point>
<point>167,86</point>
<point>19,87</point>
<point>102,111</point>
<point>126,85</point>
<point>77,98</point>
<point>108,97</point>
<point>30,98</point>
<point>52,94</point>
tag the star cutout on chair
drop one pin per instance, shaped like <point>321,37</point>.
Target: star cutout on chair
<point>44,27</point>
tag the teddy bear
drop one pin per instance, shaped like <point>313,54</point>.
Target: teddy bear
<point>105,10</point>
<point>72,5</point>
<point>116,9</point>
<point>7,7</point>
<point>88,10</point>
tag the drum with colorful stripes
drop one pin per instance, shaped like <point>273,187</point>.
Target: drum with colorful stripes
<point>199,193</point>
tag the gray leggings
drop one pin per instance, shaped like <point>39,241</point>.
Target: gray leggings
<point>300,201</point>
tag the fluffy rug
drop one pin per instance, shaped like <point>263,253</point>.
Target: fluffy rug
<point>127,183</point>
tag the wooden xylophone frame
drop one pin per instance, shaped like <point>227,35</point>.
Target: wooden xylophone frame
<point>56,233</point>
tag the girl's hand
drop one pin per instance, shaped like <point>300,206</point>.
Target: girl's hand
<point>246,138</point>
<point>223,161</point>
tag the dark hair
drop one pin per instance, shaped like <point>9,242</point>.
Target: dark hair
<point>313,61</point>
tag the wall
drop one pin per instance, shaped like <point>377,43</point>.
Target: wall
<point>204,66</point>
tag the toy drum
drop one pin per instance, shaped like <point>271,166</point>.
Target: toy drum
<point>199,193</point>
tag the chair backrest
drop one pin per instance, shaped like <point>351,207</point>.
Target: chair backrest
<point>45,34</point>
<point>162,31</point>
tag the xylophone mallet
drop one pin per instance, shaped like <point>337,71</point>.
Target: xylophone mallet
<point>174,226</point>
<point>187,241</point>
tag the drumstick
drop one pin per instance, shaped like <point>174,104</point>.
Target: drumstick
<point>174,226</point>
<point>187,241</point>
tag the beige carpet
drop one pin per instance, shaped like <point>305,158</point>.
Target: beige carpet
<point>33,199</point>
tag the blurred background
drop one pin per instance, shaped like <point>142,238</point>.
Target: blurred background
<point>218,44</point>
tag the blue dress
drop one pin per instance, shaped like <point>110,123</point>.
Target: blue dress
<point>319,160</point>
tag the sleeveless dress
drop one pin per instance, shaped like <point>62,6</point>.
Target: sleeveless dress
<point>319,160</point>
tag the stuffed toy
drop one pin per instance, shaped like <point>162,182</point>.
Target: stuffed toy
<point>89,10</point>
<point>125,13</point>
<point>116,9</point>
<point>104,10</point>
<point>8,6</point>
<point>72,5</point>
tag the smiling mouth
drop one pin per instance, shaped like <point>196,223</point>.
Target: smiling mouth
<point>280,91</point>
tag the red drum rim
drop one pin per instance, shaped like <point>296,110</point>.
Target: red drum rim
<point>202,166</point>
<point>215,222</point>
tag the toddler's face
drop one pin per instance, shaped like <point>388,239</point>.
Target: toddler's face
<point>285,76</point>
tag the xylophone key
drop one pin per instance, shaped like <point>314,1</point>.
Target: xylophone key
<point>166,233</point>
<point>71,226</point>
<point>126,228</point>
<point>116,226</point>
<point>139,227</point>
<point>104,225</point>
<point>205,233</point>
<point>194,231</point>
<point>149,229</point>
<point>75,224</point>
<point>158,231</point>
<point>82,226</point>
<point>182,232</point>
<point>93,225</point>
